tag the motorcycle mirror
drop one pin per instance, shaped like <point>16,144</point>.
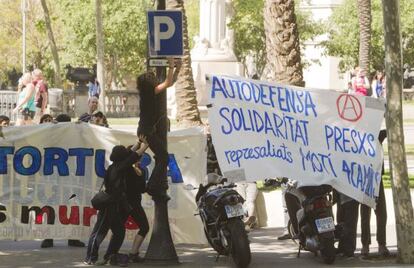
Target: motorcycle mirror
<point>213,178</point>
<point>189,187</point>
<point>223,180</point>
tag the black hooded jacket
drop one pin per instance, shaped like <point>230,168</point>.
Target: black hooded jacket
<point>121,178</point>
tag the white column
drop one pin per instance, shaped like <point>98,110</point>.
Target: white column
<point>213,21</point>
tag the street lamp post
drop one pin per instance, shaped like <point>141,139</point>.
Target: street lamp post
<point>24,9</point>
<point>161,248</point>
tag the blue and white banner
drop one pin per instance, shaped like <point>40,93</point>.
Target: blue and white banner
<point>264,130</point>
<point>50,172</point>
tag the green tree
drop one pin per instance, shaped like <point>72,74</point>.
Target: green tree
<point>125,26</point>
<point>343,34</point>
<point>37,53</point>
<point>192,8</point>
<point>404,216</point>
<point>250,38</point>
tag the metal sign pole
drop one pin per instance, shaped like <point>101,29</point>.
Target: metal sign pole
<point>161,249</point>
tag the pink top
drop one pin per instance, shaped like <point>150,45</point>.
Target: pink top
<point>358,83</point>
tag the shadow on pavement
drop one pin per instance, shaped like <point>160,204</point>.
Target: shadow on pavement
<point>267,251</point>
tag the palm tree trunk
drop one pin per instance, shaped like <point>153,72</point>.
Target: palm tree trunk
<point>364,15</point>
<point>58,80</point>
<point>282,42</point>
<point>404,217</point>
<point>185,92</point>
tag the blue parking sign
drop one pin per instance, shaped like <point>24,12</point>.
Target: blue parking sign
<point>165,30</point>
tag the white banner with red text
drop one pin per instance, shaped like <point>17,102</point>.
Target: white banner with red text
<point>50,172</point>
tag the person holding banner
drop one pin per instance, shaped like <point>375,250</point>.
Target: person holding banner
<point>347,216</point>
<point>381,217</point>
<point>150,116</point>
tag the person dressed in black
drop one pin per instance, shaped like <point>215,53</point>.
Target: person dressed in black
<point>135,184</point>
<point>150,120</point>
<point>381,216</point>
<point>114,215</point>
<point>347,217</point>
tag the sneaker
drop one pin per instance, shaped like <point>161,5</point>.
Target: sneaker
<point>47,243</point>
<point>250,221</point>
<point>365,250</point>
<point>247,228</point>
<point>135,258</point>
<point>348,255</point>
<point>119,259</point>
<point>285,237</point>
<point>89,262</point>
<point>75,243</point>
<point>344,253</point>
<point>383,251</point>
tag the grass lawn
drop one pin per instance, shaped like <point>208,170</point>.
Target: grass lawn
<point>409,149</point>
<point>131,121</point>
<point>408,121</point>
<point>387,181</point>
<point>123,121</point>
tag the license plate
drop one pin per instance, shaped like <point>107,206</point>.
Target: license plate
<point>234,211</point>
<point>325,225</point>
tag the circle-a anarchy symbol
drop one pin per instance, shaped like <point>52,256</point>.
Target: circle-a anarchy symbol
<point>349,107</point>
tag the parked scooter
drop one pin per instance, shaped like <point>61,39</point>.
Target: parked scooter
<point>221,210</point>
<point>311,218</point>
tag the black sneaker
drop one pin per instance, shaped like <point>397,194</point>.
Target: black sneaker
<point>383,251</point>
<point>47,243</point>
<point>135,258</point>
<point>284,237</point>
<point>75,243</point>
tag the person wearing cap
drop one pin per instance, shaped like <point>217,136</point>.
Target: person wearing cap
<point>113,216</point>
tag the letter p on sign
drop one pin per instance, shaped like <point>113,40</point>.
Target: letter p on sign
<point>165,33</point>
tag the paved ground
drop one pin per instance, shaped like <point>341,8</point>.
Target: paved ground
<point>267,251</point>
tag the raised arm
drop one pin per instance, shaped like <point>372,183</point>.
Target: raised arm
<point>169,80</point>
<point>131,159</point>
